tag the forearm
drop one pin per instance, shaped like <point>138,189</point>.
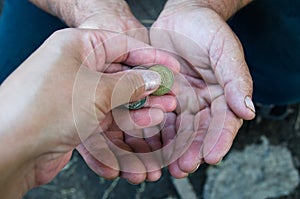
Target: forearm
<point>20,137</point>
<point>16,152</point>
<point>66,10</point>
<point>225,8</point>
<point>15,165</point>
<point>74,13</point>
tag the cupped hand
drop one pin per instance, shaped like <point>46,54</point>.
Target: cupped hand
<point>59,99</point>
<point>112,16</point>
<point>214,86</point>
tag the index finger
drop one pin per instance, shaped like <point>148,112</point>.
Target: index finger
<point>120,48</point>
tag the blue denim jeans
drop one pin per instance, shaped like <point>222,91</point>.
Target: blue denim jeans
<point>23,28</point>
<point>269,32</point>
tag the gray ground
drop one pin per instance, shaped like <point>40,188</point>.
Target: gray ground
<point>77,181</point>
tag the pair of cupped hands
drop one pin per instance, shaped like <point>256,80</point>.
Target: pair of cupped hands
<point>78,79</point>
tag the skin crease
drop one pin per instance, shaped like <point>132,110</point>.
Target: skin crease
<point>214,66</point>
<point>44,133</point>
<point>116,16</point>
<point>212,77</point>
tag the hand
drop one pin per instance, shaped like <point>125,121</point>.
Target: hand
<point>113,16</point>
<point>55,100</point>
<point>214,88</point>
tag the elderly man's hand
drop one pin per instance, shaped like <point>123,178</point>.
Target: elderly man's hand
<point>114,15</point>
<point>214,88</point>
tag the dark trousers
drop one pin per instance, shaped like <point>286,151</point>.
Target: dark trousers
<point>23,28</point>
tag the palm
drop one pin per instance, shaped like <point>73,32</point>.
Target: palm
<point>95,148</point>
<point>101,158</point>
<point>213,69</point>
<point>48,166</point>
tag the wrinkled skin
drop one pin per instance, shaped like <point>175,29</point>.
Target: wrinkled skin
<point>211,91</point>
<point>56,99</point>
<point>114,16</point>
<point>215,80</point>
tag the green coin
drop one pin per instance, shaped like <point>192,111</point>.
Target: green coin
<point>136,105</point>
<point>167,79</point>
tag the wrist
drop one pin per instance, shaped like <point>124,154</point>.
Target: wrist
<point>225,8</point>
<point>75,14</point>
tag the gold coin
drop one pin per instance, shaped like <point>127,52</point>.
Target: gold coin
<point>167,79</point>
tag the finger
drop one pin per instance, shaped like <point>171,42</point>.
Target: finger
<point>185,136</point>
<point>136,29</point>
<point>228,62</point>
<point>150,115</point>
<point>133,52</point>
<point>166,103</point>
<point>132,168</point>
<point>175,171</point>
<point>137,119</point>
<point>222,130</point>
<point>120,88</point>
<point>98,167</point>
<point>168,138</point>
<point>150,159</point>
<point>99,157</point>
<point>152,136</point>
<point>191,160</point>
<point>116,67</point>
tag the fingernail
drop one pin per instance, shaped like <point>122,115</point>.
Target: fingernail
<point>196,168</point>
<point>129,182</point>
<point>152,80</point>
<point>249,104</point>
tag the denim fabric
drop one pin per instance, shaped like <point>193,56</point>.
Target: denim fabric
<point>23,28</point>
<point>270,33</point>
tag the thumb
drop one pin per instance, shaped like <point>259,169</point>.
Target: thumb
<point>127,86</point>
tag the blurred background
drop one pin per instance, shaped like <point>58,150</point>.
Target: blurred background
<point>264,161</point>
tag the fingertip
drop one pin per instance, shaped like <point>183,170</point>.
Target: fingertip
<point>189,167</point>
<point>242,106</point>
<point>216,154</point>
<point>154,176</point>
<point>190,160</point>
<point>134,178</point>
<point>213,160</point>
<point>176,172</point>
<point>242,111</point>
<point>171,103</point>
<point>109,173</point>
